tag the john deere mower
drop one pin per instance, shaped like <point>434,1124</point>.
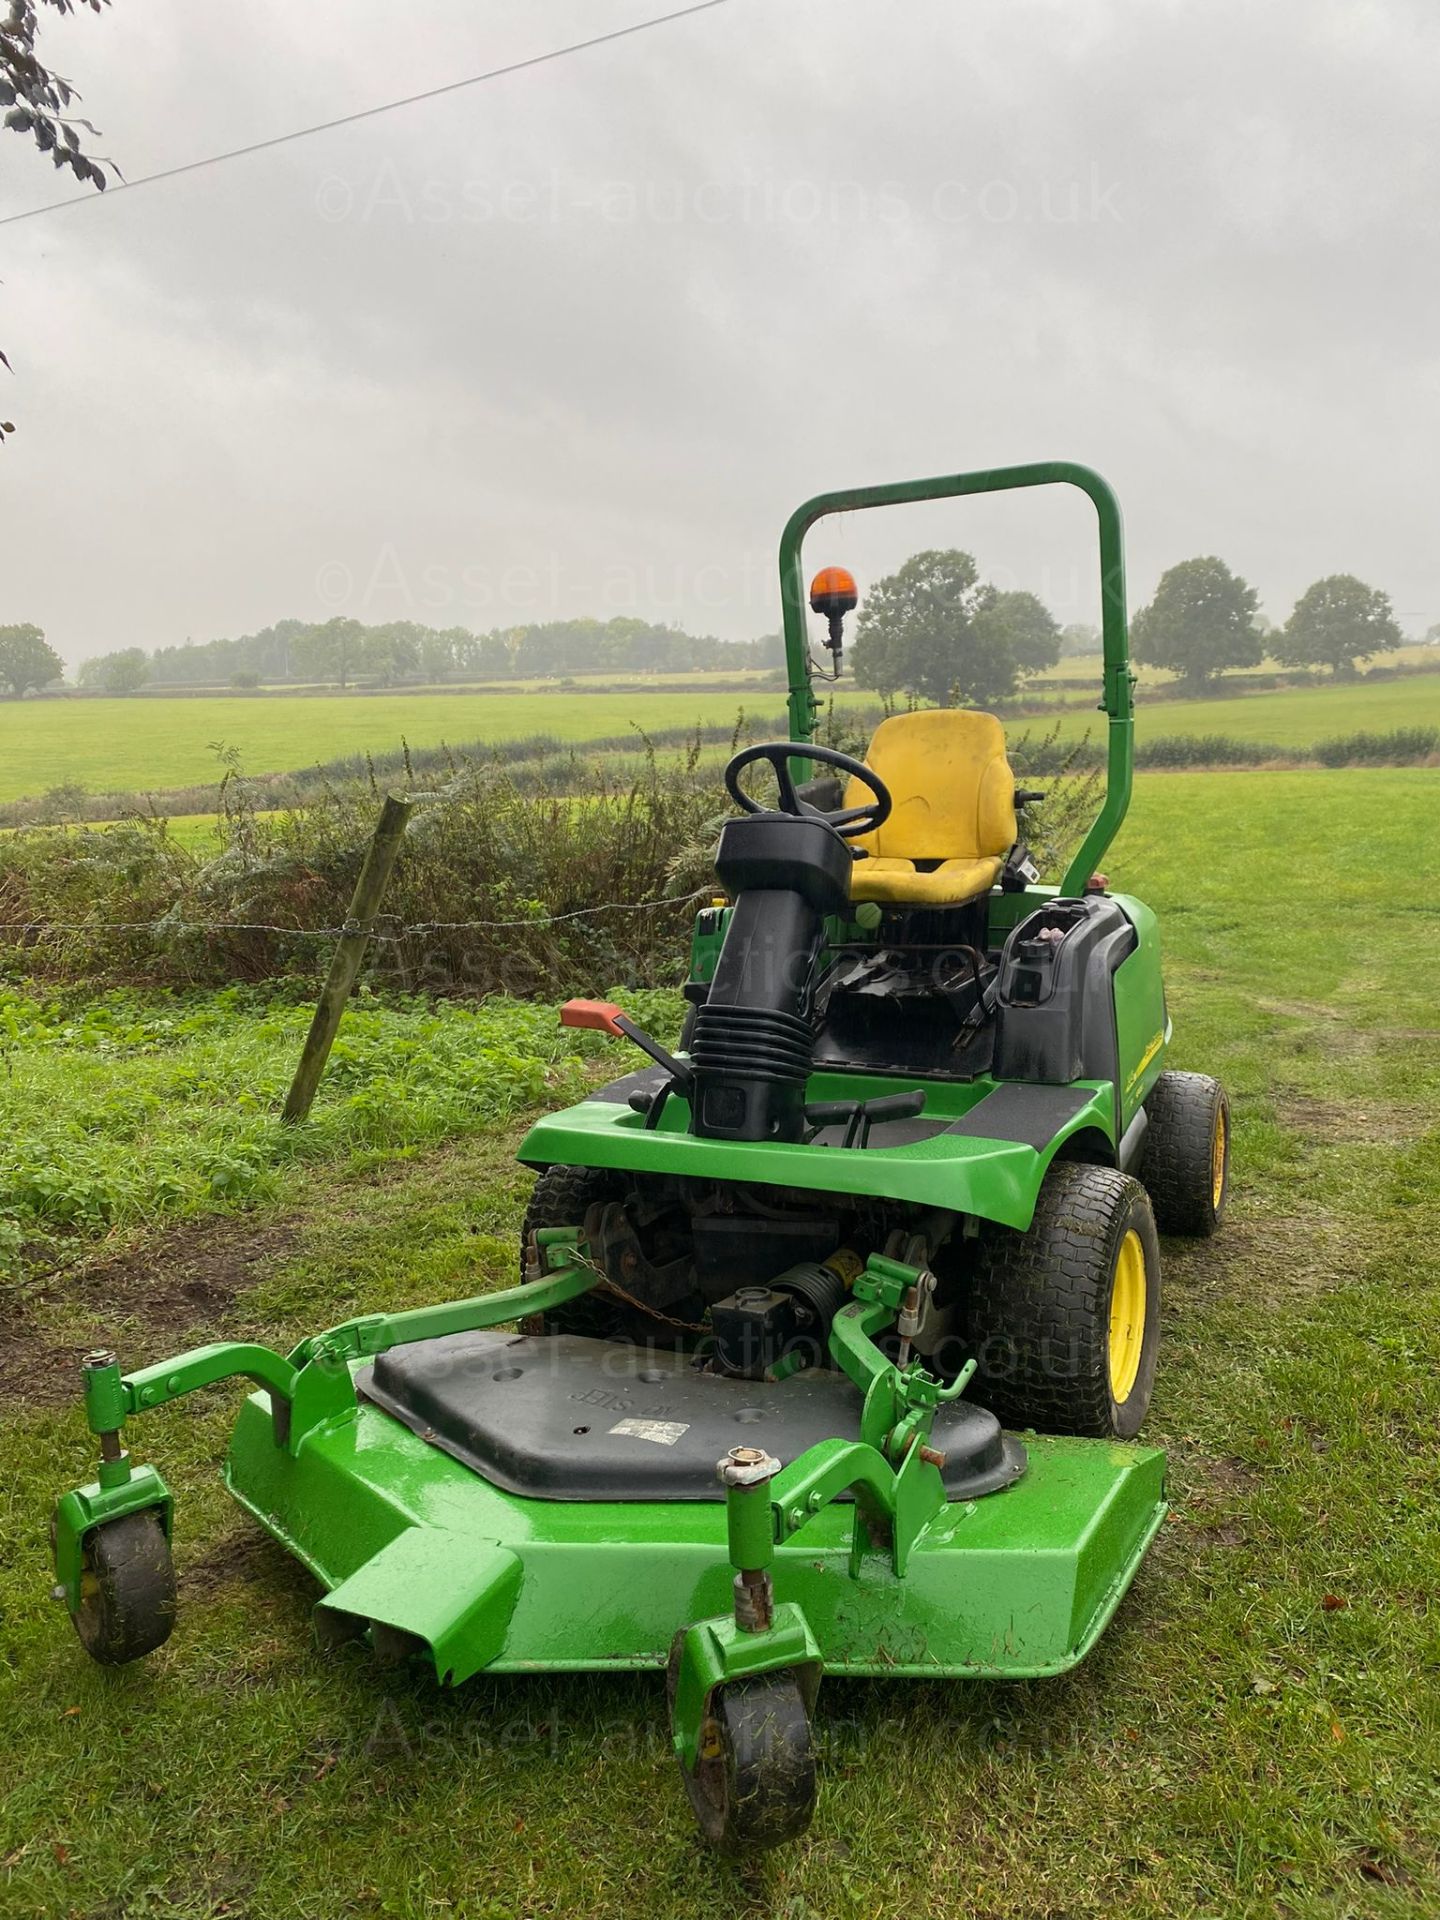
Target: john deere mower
<point>831,1323</point>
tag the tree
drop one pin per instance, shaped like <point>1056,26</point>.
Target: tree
<point>1336,622</point>
<point>123,672</point>
<point>1078,640</point>
<point>27,659</point>
<point>36,97</point>
<point>328,652</point>
<point>1021,625</point>
<point>36,101</point>
<point>934,629</point>
<point>1201,621</point>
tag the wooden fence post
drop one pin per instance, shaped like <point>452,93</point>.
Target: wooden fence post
<point>354,938</point>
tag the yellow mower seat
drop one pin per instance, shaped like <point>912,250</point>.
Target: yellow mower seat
<point>953,817</point>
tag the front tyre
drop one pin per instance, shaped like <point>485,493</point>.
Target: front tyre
<point>127,1589</point>
<point>1186,1159</point>
<point>561,1198</point>
<point>1064,1320</point>
<point>753,1783</point>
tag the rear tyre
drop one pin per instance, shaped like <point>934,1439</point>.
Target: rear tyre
<point>1064,1321</point>
<point>1186,1160</point>
<point>561,1198</point>
<point>127,1589</point>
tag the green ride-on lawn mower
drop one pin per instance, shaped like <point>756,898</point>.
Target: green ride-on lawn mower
<point>833,1324</point>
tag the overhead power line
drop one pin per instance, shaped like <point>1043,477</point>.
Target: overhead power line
<point>371,113</point>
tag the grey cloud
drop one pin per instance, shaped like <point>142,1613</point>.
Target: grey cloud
<point>580,339</point>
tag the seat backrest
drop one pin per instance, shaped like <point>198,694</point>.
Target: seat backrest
<point>952,788</point>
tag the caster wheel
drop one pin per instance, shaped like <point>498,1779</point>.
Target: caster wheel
<point>753,1784</point>
<point>127,1590</point>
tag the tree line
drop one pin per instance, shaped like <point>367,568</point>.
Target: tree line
<point>935,629</point>
<point>345,652</point>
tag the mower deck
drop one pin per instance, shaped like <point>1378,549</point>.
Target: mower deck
<point>1016,1584</point>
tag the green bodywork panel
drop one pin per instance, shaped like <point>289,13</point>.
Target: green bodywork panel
<point>1018,1584</point>
<point>422,1552</point>
<point>995,1179</point>
<point>1142,1026</point>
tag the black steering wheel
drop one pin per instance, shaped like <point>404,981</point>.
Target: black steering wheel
<point>848,822</point>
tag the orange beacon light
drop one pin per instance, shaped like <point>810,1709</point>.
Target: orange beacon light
<point>833,594</point>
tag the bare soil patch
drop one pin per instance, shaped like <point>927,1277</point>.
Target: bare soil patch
<point>1346,1120</point>
<point>178,1282</point>
<point>1273,1258</point>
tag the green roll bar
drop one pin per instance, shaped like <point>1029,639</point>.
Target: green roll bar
<point>1117,699</point>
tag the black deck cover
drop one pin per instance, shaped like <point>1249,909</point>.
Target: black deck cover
<point>560,1417</point>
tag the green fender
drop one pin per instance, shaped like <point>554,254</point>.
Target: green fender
<point>964,1172</point>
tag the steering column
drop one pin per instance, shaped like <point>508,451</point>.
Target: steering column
<point>786,868</point>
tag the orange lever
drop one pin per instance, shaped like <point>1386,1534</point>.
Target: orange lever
<point>603,1015</point>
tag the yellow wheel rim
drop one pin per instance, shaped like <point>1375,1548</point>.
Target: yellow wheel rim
<point>1217,1160</point>
<point>1127,1317</point>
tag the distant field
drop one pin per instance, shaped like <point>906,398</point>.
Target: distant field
<point>135,745</point>
<point>150,745</point>
<point>1086,667</point>
<point>1297,717</point>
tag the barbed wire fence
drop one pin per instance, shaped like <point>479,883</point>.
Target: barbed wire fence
<point>171,924</point>
<point>364,926</point>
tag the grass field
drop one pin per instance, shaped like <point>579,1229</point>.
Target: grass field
<point>1086,667</point>
<point>134,745</point>
<point>1296,717</point>
<point>1257,1734</point>
<point>151,745</point>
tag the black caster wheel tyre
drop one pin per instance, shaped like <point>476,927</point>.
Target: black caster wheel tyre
<point>127,1589</point>
<point>1185,1163</point>
<point>753,1783</point>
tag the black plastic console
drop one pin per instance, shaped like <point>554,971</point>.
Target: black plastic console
<point>1055,1002</point>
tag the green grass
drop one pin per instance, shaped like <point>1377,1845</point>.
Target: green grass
<point>150,745</point>
<point>122,1111</point>
<point>1296,717</point>
<point>1086,667</point>
<point>1257,1734</point>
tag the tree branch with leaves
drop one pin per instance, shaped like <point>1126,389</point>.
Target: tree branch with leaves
<point>37,101</point>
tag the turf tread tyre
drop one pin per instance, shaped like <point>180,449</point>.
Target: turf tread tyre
<point>1177,1165</point>
<point>127,1602</point>
<point>561,1198</point>
<point>1037,1313</point>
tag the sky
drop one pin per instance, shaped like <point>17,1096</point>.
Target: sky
<point>577,340</point>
